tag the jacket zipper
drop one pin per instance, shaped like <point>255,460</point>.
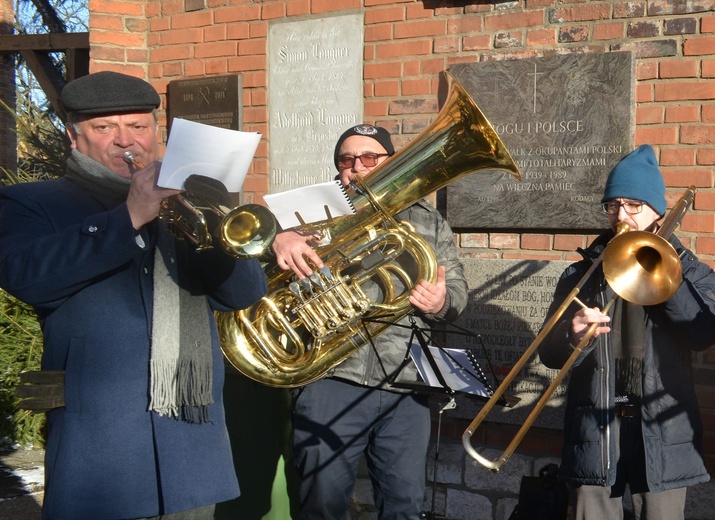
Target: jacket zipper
<point>605,391</point>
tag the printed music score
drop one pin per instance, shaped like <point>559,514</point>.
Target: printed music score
<point>314,203</point>
<point>198,149</point>
<point>459,369</point>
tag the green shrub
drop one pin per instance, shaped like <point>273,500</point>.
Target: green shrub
<point>20,351</point>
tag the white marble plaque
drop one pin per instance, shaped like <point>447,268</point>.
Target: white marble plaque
<point>315,93</point>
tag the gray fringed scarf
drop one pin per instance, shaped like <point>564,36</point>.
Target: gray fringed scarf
<point>181,364</point>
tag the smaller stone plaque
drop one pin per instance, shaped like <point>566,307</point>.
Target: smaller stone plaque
<point>508,303</point>
<point>214,100</point>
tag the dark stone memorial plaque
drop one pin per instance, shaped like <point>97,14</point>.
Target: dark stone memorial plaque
<point>508,302</point>
<point>566,121</point>
<point>214,100</point>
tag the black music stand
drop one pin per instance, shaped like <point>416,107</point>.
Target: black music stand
<point>435,367</point>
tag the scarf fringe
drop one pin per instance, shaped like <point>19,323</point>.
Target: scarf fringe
<point>186,397</point>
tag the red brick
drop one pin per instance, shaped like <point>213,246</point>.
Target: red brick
<point>474,240</point>
<point>649,114</point>
<point>656,135</point>
<point>697,134</point>
<point>464,24</point>
<point>581,13</point>
<point>706,156</point>
<point>679,69</point>
<point>214,49</point>
<point>511,20</point>
<point>698,223</point>
<point>237,13</point>
<point>699,46</point>
<point>503,240</point>
<point>327,6</point>
<point>609,31</point>
<point>446,45</point>
<point>417,11</point>
<point>677,157</point>
<point>681,114</point>
<point>647,70</point>
<point>298,7</point>
<point>708,113</point>
<point>387,88</point>
<point>375,108</point>
<point>568,242</point>
<point>384,14</point>
<point>195,19</point>
<point>216,66</point>
<point>679,177</point>
<point>175,52</point>
<point>399,49</point>
<point>538,37</point>
<point>536,241</point>
<point>420,29</point>
<point>473,43</point>
<point>271,11</point>
<point>684,91</point>
<point>175,37</point>
<point>416,87</point>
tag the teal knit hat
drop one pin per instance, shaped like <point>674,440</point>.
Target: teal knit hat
<point>637,177</point>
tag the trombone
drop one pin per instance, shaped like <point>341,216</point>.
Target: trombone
<point>641,267</point>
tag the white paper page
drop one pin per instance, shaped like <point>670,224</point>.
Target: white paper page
<point>220,153</point>
<point>456,377</point>
<point>310,202</point>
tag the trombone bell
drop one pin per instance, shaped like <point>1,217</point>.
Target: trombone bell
<point>642,268</point>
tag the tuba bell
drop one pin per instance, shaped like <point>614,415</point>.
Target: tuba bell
<point>302,329</point>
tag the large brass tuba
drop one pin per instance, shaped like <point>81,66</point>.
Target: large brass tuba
<point>300,330</point>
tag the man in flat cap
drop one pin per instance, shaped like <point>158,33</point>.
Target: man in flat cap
<point>127,314</point>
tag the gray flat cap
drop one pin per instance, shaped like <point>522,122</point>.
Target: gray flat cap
<point>108,92</point>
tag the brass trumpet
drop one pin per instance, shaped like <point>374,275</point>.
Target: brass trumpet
<point>203,213</point>
<point>641,267</point>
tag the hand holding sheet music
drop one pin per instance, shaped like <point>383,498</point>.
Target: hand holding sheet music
<point>197,149</point>
<point>310,202</point>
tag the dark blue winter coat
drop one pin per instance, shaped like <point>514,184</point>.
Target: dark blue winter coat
<point>75,258</point>
<point>671,424</point>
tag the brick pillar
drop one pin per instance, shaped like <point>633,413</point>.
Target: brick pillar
<point>8,141</point>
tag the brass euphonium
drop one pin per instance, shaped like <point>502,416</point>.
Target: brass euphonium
<point>202,214</point>
<point>302,329</point>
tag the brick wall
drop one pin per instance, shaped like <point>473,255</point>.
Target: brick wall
<point>408,44</point>
<point>8,142</point>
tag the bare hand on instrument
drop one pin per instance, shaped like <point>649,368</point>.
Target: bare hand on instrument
<point>583,319</point>
<point>292,249</point>
<point>430,297</point>
<point>145,197</point>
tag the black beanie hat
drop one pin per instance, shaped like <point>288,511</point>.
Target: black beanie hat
<point>109,92</point>
<point>379,134</point>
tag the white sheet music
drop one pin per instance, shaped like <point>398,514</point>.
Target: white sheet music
<point>220,153</point>
<point>310,202</point>
<point>456,377</point>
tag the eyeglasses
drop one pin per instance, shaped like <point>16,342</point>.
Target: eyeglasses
<point>632,207</point>
<point>368,160</point>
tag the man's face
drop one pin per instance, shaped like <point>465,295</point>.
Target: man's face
<point>355,146</point>
<point>642,221</point>
<point>106,137</point>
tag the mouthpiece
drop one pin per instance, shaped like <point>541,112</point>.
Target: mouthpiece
<point>130,159</point>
